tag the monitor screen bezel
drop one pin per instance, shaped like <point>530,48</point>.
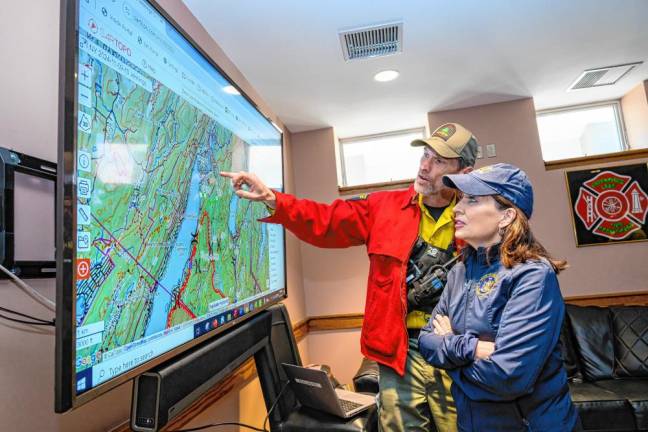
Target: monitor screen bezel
<point>65,394</point>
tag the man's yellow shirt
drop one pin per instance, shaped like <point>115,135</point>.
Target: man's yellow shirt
<point>438,233</point>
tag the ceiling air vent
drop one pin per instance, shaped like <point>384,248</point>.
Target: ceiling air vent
<point>604,76</point>
<point>372,41</point>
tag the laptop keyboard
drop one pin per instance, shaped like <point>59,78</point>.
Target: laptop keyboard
<point>348,405</point>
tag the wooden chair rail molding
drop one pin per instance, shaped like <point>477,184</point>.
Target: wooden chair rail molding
<point>354,321</point>
<point>630,298</point>
<point>247,370</point>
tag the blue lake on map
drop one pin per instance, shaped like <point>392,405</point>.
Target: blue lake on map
<point>264,244</point>
<point>80,308</point>
<point>231,222</point>
<point>178,258</point>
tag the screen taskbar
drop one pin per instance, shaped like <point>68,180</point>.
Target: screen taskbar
<point>127,357</point>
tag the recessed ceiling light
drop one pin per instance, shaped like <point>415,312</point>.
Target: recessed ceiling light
<point>386,75</point>
<point>230,89</point>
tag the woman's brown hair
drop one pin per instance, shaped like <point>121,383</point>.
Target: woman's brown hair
<point>518,243</point>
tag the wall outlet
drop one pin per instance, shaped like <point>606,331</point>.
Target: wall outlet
<point>490,150</point>
<point>479,152</point>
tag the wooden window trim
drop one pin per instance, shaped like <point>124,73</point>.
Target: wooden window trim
<point>596,159</point>
<point>372,187</point>
<point>350,140</point>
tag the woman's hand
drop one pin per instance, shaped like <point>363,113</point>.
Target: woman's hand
<point>442,325</point>
<point>484,350</point>
<point>249,186</point>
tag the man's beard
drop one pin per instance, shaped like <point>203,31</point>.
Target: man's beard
<point>425,189</point>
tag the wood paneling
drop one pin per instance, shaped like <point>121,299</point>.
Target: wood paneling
<point>616,299</point>
<point>335,322</point>
<point>354,321</point>
<point>301,330</point>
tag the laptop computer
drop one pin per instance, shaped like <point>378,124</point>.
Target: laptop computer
<point>313,389</point>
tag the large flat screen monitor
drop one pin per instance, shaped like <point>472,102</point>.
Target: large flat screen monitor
<point>154,251</point>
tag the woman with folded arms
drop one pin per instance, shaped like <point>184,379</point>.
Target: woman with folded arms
<point>497,324</point>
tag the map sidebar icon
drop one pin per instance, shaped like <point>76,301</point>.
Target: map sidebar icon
<point>85,96</point>
<point>85,74</point>
<point>83,269</point>
<point>83,214</point>
<point>85,122</point>
<point>83,187</point>
<point>84,161</point>
<point>83,241</point>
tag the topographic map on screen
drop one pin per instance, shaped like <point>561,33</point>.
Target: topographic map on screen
<point>162,241</point>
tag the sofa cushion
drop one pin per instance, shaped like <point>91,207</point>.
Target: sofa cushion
<point>600,409</point>
<point>630,329</point>
<point>592,332</point>
<point>367,377</point>
<point>568,351</point>
<point>636,392</point>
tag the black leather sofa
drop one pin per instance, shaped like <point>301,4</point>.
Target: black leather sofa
<point>605,350</point>
<point>606,356</point>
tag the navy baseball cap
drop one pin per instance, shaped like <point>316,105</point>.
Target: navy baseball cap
<point>499,179</point>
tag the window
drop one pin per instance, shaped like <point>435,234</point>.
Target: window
<point>385,157</point>
<point>581,131</point>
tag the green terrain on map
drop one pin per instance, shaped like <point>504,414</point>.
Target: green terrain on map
<point>145,148</point>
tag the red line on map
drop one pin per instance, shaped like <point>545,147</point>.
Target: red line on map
<point>179,302</point>
<point>194,249</point>
<point>136,261</point>
<point>205,215</point>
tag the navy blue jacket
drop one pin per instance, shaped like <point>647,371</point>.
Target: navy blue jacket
<point>523,385</point>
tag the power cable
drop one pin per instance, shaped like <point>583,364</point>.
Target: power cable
<point>31,292</point>
<point>34,320</point>
<point>265,429</point>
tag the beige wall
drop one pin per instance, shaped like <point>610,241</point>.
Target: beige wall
<point>295,302</point>
<point>595,269</point>
<point>338,349</point>
<point>635,114</point>
<point>28,123</point>
<point>334,279</point>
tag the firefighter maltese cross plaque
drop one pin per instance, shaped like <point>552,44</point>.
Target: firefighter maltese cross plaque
<point>610,204</point>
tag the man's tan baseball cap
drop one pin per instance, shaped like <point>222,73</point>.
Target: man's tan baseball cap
<point>451,141</point>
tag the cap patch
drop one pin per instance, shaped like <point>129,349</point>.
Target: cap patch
<point>445,132</point>
<point>360,197</point>
<point>485,169</point>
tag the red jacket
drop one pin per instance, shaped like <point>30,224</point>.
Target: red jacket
<point>388,223</point>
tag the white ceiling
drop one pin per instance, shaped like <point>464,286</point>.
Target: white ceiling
<point>456,53</point>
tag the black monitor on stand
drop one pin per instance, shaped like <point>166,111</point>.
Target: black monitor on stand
<point>162,393</point>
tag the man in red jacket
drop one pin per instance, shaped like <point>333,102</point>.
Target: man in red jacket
<point>406,233</point>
